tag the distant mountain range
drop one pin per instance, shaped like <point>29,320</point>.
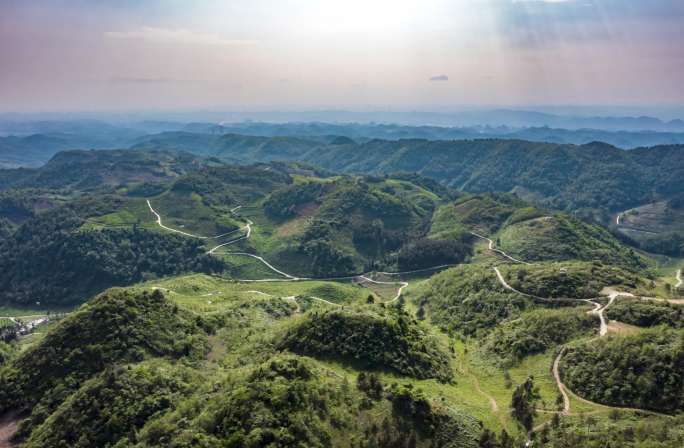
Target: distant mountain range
<point>33,143</point>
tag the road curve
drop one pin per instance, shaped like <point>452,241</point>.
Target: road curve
<point>246,236</point>
<point>399,291</point>
<point>499,251</point>
<point>559,383</point>
<point>270,266</point>
<point>161,224</point>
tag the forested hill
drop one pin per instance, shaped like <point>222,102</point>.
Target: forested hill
<point>84,170</point>
<point>595,178</point>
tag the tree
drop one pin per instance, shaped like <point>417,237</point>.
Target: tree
<point>522,403</point>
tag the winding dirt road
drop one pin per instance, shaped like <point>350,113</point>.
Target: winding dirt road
<point>9,424</point>
<point>248,228</point>
<point>603,331</point>
<point>288,277</point>
<point>399,291</point>
<point>161,224</point>
<point>499,251</point>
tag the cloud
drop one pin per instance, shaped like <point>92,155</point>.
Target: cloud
<point>135,80</point>
<point>176,36</point>
<point>439,78</point>
<point>543,1</point>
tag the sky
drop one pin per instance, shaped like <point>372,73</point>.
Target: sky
<point>62,55</point>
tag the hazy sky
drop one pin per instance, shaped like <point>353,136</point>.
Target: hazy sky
<point>265,54</point>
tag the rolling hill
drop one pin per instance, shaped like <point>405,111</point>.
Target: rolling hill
<point>594,179</point>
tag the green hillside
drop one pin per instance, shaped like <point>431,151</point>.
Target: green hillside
<point>643,371</point>
<point>595,179</point>
<point>447,310</point>
<point>108,409</point>
<point>119,327</point>
<point>50,260</point>
<point>376,339</point>
<point>561,237</point>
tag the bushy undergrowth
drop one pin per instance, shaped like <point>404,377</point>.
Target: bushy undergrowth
<point>116,327</point>
<point>381,340</point>
<point>642,371</point>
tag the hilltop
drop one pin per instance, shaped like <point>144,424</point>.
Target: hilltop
<point>595,179</point>
<point>282,303</point>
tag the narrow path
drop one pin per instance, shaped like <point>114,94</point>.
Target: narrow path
<point>599,310</point>
<point>294,299</point>
<point>505,284</point>
<point>248,228</point>
<point>566,392</point>
<point>161,224</point>
<point>499,251</point>
<point>679,279</point>
<point>9,423</point>
<point>288,277</point>
<point>434,268</point>
<point>559,383</point>
<point>267,264</point>
<point>399,291</point>
<point>492,401</point>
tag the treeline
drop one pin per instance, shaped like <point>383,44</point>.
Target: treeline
<point>424,253</point>
<point>594,179</point>
<point>564,237</point>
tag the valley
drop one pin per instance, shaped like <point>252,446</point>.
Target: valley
<point>342,224</point>
<point>387,288</point>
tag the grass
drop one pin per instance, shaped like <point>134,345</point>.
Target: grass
<point>6,323</point>
<point>21,311</point>
<point>206,294</point>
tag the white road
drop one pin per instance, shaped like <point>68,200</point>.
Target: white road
<point>289,277</point>
<point>499,251</point>
<point>679,279</point>
<point>270,266</point>
<point>161,224</point>
<point>248,228</point>
<point>399,291</point>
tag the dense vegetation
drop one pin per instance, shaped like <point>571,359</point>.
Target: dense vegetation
<point>109,409</point>
<point>535,332</point>
<point>356,224</point>
<point>92,261</point>
<point>562,237</point>
<point>271,364</point>
<point>619,430</point>
<point>119,327</point>
<point>594,179</point>
<point>49,260</point>
<point>647,314</point>
<point>102,170</point>
<point>289,401</point>
<point>579,280</point>
<point>469,300</point>
<point>384,339</point>
<point>643,371</point>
